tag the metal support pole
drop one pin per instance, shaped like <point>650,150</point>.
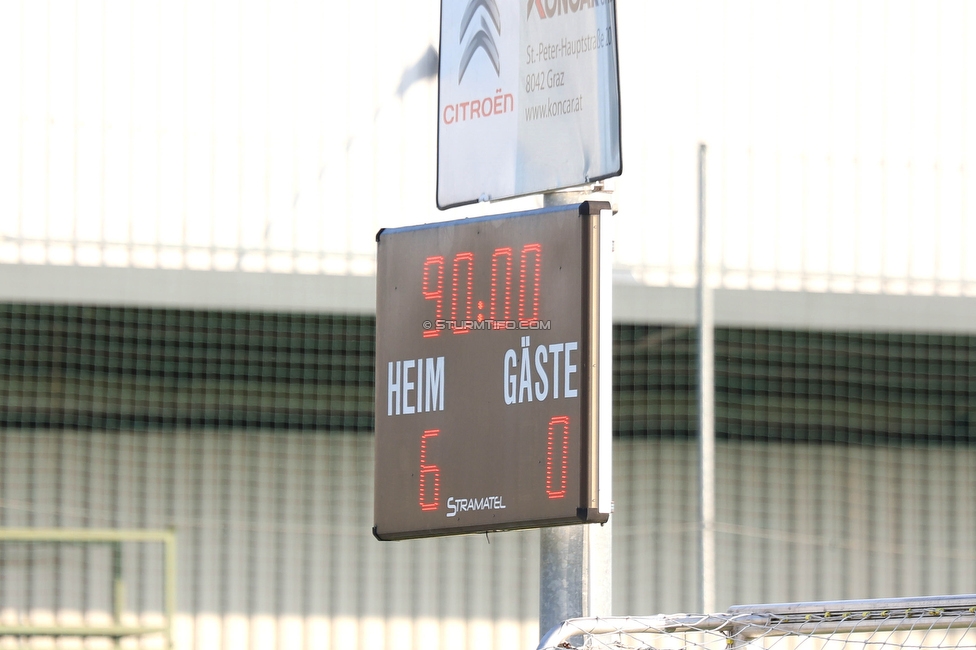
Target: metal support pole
<point>560,575</point>
<point>169,589</point>
<point>118,587</point>
<point>706,407</point>
<point>575,573</point>
<point>575,561</point>
<point>118,590</point>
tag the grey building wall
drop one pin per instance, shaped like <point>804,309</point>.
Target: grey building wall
<point>275,549</point>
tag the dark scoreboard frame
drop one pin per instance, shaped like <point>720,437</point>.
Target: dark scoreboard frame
<point>488,373</point>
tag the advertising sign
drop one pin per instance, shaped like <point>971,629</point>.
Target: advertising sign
<point>528,97</point>
<point>487,374</point>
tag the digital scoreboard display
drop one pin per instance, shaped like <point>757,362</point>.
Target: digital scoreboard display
<point>487,373</point>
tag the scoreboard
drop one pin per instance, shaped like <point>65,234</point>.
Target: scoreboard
<point>488,373</point>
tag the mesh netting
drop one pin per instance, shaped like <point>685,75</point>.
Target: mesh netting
<point>846,470</point>
<point>123,369</point>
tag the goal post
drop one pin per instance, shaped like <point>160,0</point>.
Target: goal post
<point>877,624</point>
<point>113,538</point>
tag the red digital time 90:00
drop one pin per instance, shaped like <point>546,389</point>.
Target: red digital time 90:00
<point>462,303</point>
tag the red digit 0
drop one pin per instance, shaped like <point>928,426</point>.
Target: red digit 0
<point>557,446</point>
<point>432,483</point>
<point>530,278</point>
<point>502,311</point>
<point>468,284</point>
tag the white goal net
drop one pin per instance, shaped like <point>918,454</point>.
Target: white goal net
<point>887,624</point>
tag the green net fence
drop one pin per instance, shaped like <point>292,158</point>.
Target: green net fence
<point>846,470</point>
<point>101,368</point>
